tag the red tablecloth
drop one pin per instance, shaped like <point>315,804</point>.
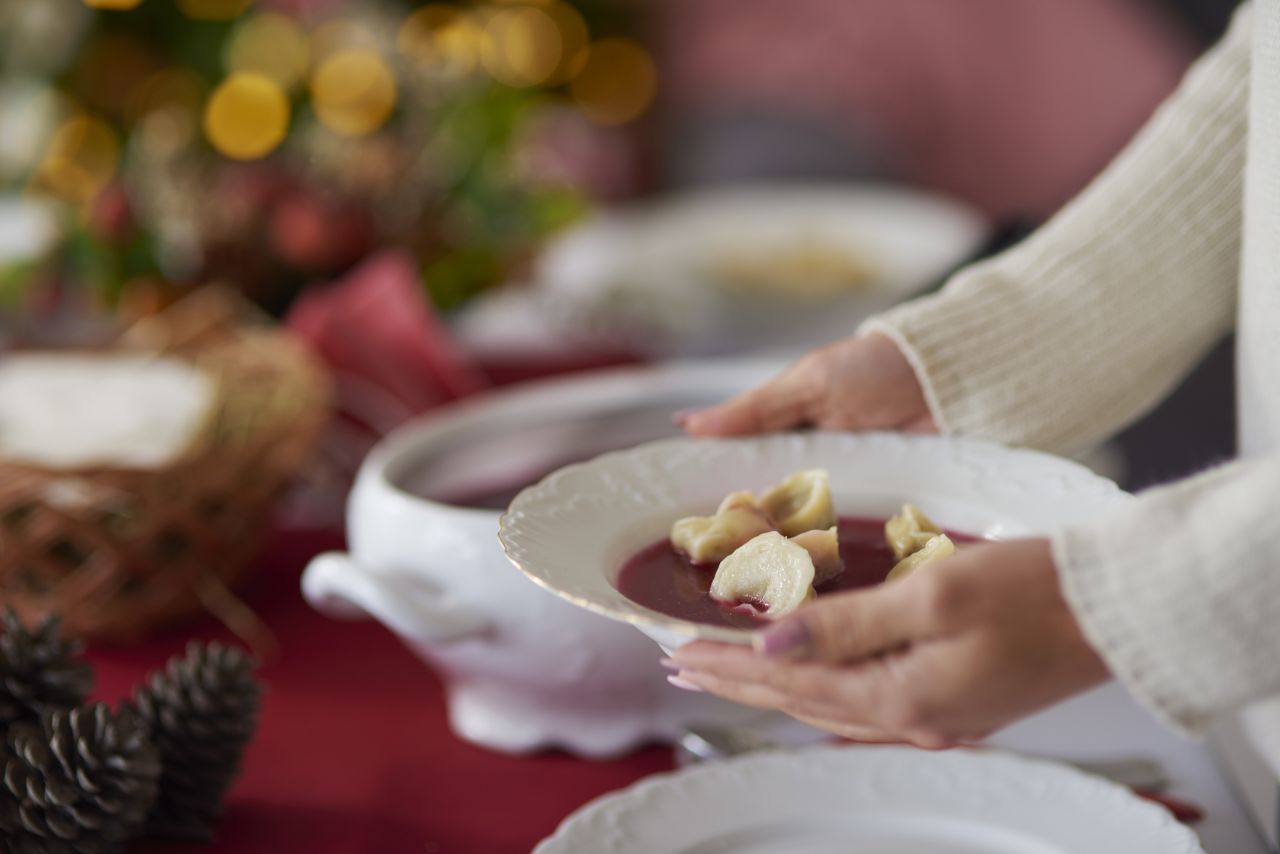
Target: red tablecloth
<point>353,752</point>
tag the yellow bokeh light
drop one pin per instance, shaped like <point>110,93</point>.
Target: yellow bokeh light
<point>460,44</point>
<point>441,38</point>
<point>178,88</point>
<point>418,37</point>
<point>573,42</point>
<point>112,4</point>
<point>339,34</point>
<point>81,158</point>
<point>271,44</point>
<point>213,10</point>
<point>167,130</point>
<point>521,46</point>
<point>353,92</point>
<point>166,107</point>
<point>247,116</point>
<point>616,84</point>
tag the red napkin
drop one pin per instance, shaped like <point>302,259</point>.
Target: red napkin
<point>390,353</point>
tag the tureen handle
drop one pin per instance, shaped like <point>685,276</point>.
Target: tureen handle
<point>412,607</point>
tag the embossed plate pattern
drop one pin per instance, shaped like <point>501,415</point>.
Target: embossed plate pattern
<point>873,800</point>
<point>572,531</point>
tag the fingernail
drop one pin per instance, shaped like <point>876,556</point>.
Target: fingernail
<point>788,639</point>
<point>683,684</point>
<point>680,417</point>
<point>669,664</point>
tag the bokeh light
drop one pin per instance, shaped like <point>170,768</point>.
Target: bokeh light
<point>173,87</point>
<point>339,34</point>
<point>521,46</point>
<point>270,44</point>
<point>213,10</point>
<point>247,116</point>
<point>112,4</point>
<point>460,44</point>
<point>165,108</point>
<point>616,84</point>
<point>81,158</point>
<point>30,112</point>
<point>574,38</point>
<point>441,38</point>
<point>418,37</point>
<point>353,92</point>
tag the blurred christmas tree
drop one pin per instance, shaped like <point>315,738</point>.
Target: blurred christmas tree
<point>273,143</point>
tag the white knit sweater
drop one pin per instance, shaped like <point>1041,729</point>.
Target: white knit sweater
<point>1084,327</point>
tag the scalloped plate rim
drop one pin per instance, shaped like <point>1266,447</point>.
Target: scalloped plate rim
<point>640,615</point>
<point>984,765</point>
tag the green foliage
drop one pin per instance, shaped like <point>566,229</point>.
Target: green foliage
<point>468,212</point>
<point>104,267</point>
<point>14,279</point>
<point>460,274</point>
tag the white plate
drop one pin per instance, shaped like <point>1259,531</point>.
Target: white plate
<point>573,531</point>
<point>641,275</point>
<point>873,800</point>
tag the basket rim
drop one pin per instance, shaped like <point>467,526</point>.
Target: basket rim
<point>300,368</point>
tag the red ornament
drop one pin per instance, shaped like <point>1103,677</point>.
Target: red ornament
<point>318,236</point>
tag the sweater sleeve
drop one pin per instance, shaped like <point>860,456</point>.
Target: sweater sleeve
<point>1180,591</point>
<point>1085,326</point>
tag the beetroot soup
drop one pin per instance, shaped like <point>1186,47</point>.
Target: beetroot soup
<point>664,579</point>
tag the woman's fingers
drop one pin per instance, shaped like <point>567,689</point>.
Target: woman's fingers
<point>729,663</point>
<point>860,382</point>
<point>867,701</point>
<point>944,656</point>
<point>811,691</point>
<point>788,400</point>
<point>834,719</point>
<point>848,731</point>
<point>848,627</point>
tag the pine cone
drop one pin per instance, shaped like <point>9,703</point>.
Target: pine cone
<point>80,782</point>
<point>202,711</point>
<point>37,670</point>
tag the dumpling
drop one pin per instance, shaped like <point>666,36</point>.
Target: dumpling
<point>824,549</point>
<point>801,503</point>
<point>710,539</point>
<point>772,574</point>
<point>909,531</point>
<point>938,547</point>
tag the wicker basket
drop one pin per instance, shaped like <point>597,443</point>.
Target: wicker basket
<point>117,551</point>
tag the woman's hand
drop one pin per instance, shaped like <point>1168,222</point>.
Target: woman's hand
<point>860,383</point>
<point>944,656</point>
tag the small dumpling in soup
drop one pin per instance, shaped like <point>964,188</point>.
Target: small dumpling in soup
<point>938,547</point>
<point>909,531</point>
<point>710,539</point>
<point>801,503</point>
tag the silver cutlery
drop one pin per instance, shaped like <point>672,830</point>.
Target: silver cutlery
<point>708,742</point>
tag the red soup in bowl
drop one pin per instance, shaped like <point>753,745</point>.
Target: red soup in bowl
<point>663,578</point>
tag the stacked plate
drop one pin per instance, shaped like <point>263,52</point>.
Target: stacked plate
<point>730,271</point>
<point>874,800</point>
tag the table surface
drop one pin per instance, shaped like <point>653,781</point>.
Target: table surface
<point>354,754</point>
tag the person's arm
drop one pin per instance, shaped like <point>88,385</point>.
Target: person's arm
<point>1085,326</point>
<point>1180,592</point>
<point>1177,595</point>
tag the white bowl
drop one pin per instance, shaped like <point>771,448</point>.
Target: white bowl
<point>522,669</point>
<point>573,531</point>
